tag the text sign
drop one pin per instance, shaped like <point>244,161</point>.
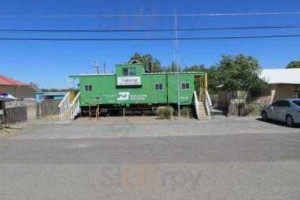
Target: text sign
<point>132,80</point>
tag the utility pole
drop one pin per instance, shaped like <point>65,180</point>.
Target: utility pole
<point>96,66</point>
<point>176,61</point>
<point>104,67</point>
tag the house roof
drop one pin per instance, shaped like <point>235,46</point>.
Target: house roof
<point>281,76</point>
<point>11,82</point>
<point>134,61</point>
<point>54,93</point>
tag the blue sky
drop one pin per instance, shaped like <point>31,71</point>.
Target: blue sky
<point>50,63</point>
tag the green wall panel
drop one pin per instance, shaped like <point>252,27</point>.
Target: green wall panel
<point>105,90</point>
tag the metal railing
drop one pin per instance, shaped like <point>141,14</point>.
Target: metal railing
<point>208,104</point>
<point>75,107</point>
<point>196,104</point>
<point>64,105</point>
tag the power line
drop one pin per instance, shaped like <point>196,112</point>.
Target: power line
<point>239,14</point>
<point>150,30</point>
<point>151,39</point>
<point>153,15</point>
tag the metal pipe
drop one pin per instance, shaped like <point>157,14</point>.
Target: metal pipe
<point>176,63</point>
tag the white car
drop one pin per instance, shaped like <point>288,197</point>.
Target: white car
<point>286,110</point>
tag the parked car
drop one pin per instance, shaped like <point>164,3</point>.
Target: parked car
<point>286,110</point>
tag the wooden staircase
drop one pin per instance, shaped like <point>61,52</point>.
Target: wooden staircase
<point>67,114</point>
<point>202,111</point>
<point>70,107</point>
<point>201,107</point>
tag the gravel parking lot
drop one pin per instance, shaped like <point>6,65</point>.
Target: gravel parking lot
<point>145,158</point>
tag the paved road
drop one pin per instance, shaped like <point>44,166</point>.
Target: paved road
<point>237,166</point>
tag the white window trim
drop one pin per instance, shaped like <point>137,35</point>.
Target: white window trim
<point>88,90</point>
<point>185,84</point>
<point>158,84</point>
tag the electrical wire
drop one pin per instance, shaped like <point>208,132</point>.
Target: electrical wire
<point>150,39</point>
<point>150,30</point>
<point>152,15</point>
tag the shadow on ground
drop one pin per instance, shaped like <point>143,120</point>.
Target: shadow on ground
<point>277,123</point>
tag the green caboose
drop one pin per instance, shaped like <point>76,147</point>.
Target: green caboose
<point>131,87</point>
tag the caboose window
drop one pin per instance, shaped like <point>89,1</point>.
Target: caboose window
<point>125,72</point>
<point>131,71</point>
<point>185,86</point>
<point>88,88</point>
<point>158,87</point>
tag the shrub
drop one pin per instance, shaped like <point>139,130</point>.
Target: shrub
<point>253,109</point>
<point>165,112</point>
<point>186,112</point>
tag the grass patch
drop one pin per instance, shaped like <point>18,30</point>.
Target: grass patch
<point>165,112</point>
<point>186,112</point>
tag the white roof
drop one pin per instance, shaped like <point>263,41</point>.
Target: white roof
<point>281,76</point>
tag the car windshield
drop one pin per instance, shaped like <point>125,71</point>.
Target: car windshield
<point>297,102</point>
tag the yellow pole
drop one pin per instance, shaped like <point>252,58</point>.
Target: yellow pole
<point>205,87</point>
<point>206,82</point>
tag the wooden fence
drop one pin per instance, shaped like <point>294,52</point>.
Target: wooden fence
<point>47,108</point>
<point>17,111</point>
<point>14,115</point>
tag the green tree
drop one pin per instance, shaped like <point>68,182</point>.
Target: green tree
<point>171,68</point>
<point>241,73</point>
<point>293,64</point>
<point>212,72</point>
<point>213,78</point>
<point>34,85</point>
<point>195,68</point>
<point>151,64</point>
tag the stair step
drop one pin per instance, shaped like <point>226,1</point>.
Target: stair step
<point>200,108</point>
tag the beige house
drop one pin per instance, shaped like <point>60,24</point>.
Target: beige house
<point>16,88</point>
<point>284,83</point>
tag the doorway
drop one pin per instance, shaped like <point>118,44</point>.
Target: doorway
<point>199,87</point>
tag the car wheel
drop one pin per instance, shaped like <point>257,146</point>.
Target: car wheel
<point>264,116</point>
<point>290,121</point>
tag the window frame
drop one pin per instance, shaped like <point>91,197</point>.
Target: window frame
<point>123,71</point>
<point>282,104</point>
<point>298,101</point>
<point>287,104</point>
<point>276,102</point>
<point>89,86</point>
<point>185,84</point>
<point>159,84</point>
<point>127,71</point>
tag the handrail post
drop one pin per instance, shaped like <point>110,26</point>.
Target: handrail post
<point>64,105</point>
<point>75,107</point>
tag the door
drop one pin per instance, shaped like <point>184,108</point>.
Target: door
<point>279,110</point>
<point>272,110</point>
<point>198,86</point>
<point>283,110</point>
